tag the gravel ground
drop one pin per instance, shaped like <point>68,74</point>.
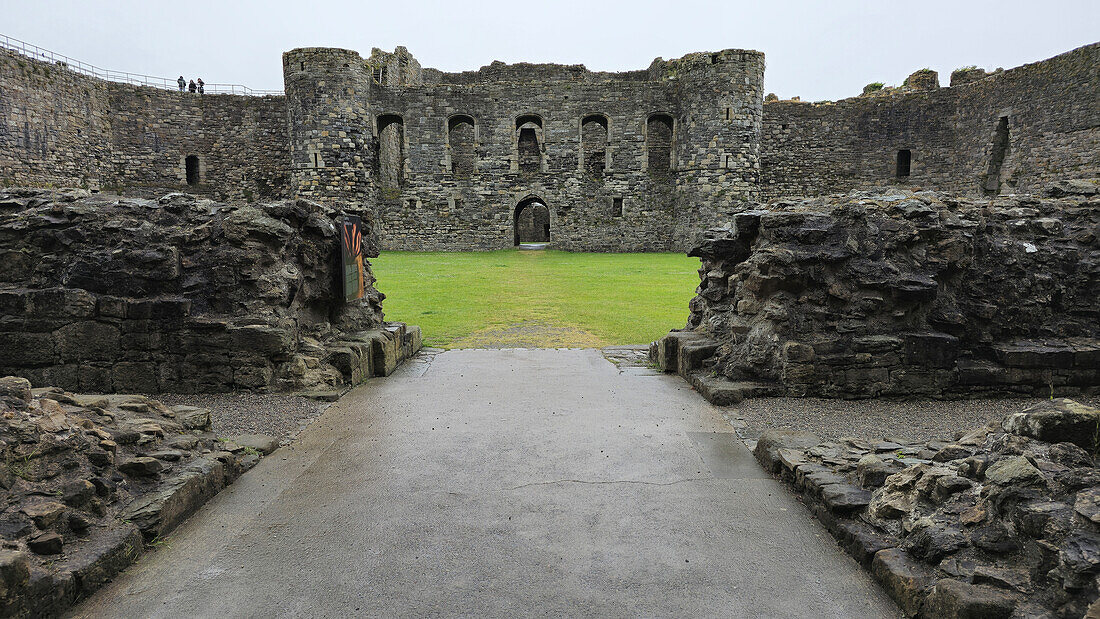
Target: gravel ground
<point>278,415</point>
<point>875,419</point>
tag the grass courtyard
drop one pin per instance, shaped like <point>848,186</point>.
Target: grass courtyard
<point>513,298</point>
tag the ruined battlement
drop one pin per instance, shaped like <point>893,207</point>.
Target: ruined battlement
<point>623,161</point>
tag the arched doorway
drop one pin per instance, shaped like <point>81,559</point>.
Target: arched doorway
<point>532,221</point>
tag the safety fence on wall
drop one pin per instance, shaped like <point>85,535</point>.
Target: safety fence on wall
<point>37,53</point>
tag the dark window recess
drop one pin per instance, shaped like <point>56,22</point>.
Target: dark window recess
<point>530,157</point>
<point>316,160</point>
<point>594,144</point>
<point>460,137</point>
<point>411,202</point>
<point>458,203</point>
<point>391,150</point>
<point>191,164</point>
<point>905,158</point>
<point>997,158</point>
<point>658,138</point>
<point>617,207</point>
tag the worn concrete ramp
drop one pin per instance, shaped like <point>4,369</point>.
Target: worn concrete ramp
<point>503,483</point>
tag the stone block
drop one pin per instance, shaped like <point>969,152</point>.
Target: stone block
<point>771,441</point>
<point>135,377</point>
<point>62,302</point>
<point>905,580</point>
<point>954,599</point>
<point>1056,421</point>
<point>95,378</point>
<point>158,512</point>
<point>263,339</point>
<point>157,309</point>
<point>88,340</point>
<point>933,350</point>
<point>1032,354</point>
<point>28,349</point>
<point>974,372</point>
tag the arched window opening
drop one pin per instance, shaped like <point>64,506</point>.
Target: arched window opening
<point>191,167</point>
<point>658,138</point>
<point>905,159</point>
<point>594,144</point>
<point>391,150</point>
<point>461,141</point>
<point>532,222</point>
<point>528,148</point>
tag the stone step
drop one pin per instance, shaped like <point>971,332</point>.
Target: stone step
<point>722,391</point>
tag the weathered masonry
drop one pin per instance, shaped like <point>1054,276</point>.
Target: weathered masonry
<point>621,161</point>
<point>634,161</point>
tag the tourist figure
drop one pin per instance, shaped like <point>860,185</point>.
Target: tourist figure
<point>201,84</point>
<point>191,86</point>
<point>182,82</point>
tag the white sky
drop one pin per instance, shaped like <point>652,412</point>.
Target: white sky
<point>816,50</point>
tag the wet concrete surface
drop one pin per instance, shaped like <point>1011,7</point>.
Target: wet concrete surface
<point>503,483</point>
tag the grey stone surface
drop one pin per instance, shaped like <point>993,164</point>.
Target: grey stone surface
<point>186,295</point>
<point>1007,528</point>
<point>519,497</point>
<point>894,292</point>
<point>437,156</point>
<point>82,487</point>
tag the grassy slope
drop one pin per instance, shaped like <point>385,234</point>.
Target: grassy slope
<point>557,298</point>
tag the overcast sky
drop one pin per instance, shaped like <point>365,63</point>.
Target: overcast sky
<point>816,50</point>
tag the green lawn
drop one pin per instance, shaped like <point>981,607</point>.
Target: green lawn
<point>536,298</point>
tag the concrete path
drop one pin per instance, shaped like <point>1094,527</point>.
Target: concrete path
<point>503,483</point>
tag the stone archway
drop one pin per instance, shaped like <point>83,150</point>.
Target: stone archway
<point>531,221</point>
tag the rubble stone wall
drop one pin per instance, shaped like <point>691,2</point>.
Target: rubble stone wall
<point>902,293</point>
<point>180,294</point>
<point>62,129</point>
<point>1053,130</point>
<point>437,156</point>
<point>380,130</point>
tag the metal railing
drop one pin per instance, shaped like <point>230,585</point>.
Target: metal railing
<point>64,62</point>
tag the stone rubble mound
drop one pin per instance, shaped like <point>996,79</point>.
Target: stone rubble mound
<point>87,480</point>
<point>1002,521</point>
<point>898,293</point>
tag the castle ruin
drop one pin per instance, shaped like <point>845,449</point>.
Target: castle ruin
<point>633,161</point>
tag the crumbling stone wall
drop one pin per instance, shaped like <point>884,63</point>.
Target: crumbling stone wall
<point>341,146</point>
<point>182,294</point>
<point>901,293</point>
<point>1053,126</point>
<point>63,129</point>
<point>1002,521</point>
<point>438,157</point>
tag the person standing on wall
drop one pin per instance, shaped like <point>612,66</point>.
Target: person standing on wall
<point>182,83</point>
<point>191,86</point>
<point>201,84</point>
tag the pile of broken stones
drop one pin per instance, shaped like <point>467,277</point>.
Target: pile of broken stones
<point>1003,521</point>
<point>86,481</point>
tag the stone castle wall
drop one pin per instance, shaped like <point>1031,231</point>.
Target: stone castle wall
<point>446,160</point>
<point>1053,130</point>
<point>59,128</point>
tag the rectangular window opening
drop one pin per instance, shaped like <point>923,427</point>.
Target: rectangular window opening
<point>905,158</point>
<point>616,207</point>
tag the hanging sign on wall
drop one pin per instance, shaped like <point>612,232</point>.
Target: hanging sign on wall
<point>351,252</point>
